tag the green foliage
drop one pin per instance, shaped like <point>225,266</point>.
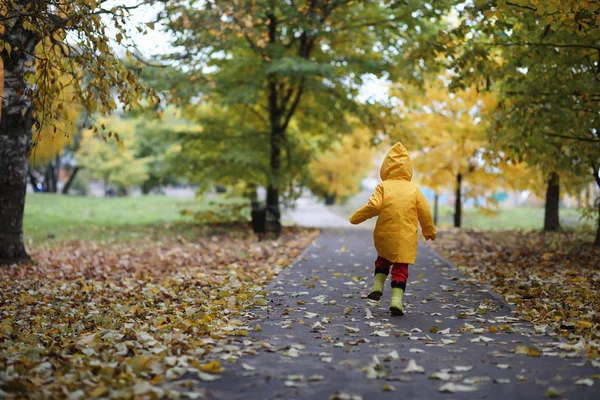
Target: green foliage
<point>280,80</point>
<point>157,144</point>
<point>143,160</point>
<point>114,165</point>
<point>539,59</point>
<point>545,80</point>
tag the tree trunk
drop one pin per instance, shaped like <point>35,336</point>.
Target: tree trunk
<point>49,179</point>
<point>67,186</point>
<point>551,217</point>
<point>15,140</point>
<point>597,241</point>
<point>34,182</point>
<point>588,197</point>
<point>458,202</point>
<point>436,200</point>
<point>596,170</point>
<point>275,175</point>
<point>330,199</point>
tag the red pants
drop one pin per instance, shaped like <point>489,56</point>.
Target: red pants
<point>399,271</point>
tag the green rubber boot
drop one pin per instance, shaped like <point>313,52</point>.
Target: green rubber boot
<point>396,303</point>
<point>377,289</point>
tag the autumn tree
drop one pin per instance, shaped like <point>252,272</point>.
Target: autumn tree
<point>336,174</point>
<point>454,151</point>
<point>115,164</point>
<point>274,62</point>
<point>41,41</point>
<point>539,59</point>
<point>53,143</point>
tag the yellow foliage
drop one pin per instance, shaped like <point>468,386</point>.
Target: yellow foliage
<point>336,174</point>
<point>114,162</point>
<point>56,109</point>
<point>452,129</point>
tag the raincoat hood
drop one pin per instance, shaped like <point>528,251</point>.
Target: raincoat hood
<point>396,164</point>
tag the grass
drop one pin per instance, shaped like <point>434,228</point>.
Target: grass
<point>519,218</point>
<point>58,217</point>
<point>514,218</point>
<point>70,217</point>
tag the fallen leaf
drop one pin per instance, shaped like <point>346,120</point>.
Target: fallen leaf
<point>553,392</point>
<point>207,377</point>
<point>530,351</point>
<point>442,376</point>
<point>451,387</point>
<point>463,368</point>
<point>412,367</point>
<point>584,382</point>
<point>380,333</point>
<point>248,367</point>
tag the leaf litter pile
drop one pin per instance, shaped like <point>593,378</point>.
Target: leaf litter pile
<point>128,319</point>
<point>552,279</point>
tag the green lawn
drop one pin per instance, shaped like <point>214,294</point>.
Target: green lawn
<point>525,218</point>
<point>70,217</point>
<point>521,218</point>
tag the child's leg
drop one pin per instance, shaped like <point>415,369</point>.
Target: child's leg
<point>399,277</point>
<point>382,269</point>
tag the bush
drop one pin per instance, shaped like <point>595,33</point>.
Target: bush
<point>222,211</point>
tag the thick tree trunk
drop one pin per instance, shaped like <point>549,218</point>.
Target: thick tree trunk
<point>330,199</point>
<point>458,202</point>
<point>596,171</point>
<point>69,183</point>
<point>275,164</point>
<point>15,140</point>
<point>597,241</point>
<point>436,201</point>
<point>551,217</point>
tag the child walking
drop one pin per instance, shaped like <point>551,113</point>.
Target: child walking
<point>400,206</point>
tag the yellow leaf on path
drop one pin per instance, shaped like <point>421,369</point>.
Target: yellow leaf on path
<point>530,351</point>
<point>213,367</point>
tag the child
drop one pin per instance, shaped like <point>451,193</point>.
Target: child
<point>400,205</point>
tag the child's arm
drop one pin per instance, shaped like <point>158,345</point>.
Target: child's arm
<point>369,210</point>
<point>425,219</point>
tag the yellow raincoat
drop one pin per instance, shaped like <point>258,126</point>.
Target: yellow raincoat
<point>400,206</point>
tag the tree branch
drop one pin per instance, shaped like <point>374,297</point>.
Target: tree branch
<point>531,8</point>
<point>256,113</point>
<point>528,44</point>
<point>597,140</point>
<point>294,106</point>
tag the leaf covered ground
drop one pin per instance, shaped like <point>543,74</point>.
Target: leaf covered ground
<point>120,319</point>
<point>552,279</point>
